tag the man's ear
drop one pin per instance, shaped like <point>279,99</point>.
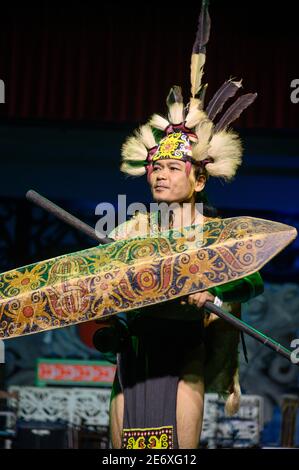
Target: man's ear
<point>200,183</point>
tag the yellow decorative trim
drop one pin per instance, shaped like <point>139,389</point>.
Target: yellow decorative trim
<point>148,438</point>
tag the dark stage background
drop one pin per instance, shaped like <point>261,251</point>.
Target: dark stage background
<point>78,79</point>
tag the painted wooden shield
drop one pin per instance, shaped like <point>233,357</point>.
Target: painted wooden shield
<point>134,273</point>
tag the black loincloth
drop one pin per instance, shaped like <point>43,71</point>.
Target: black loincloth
<point>149,369</point>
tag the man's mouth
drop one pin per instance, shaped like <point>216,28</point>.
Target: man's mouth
<point>160,186</point>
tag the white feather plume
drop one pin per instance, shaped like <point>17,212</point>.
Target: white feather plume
<point>226,150</point>
<point>159,122</point>
<point>176,113</point>
<point>195,114</point>
<point>203,132</point>
<point>197,64</point>
<point>132,170</point>
<point>145,134</point>
<point>134,149</point>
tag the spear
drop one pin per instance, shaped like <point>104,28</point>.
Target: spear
<point>65,216</point>
<point>244,327</point>
<point>283,236</point>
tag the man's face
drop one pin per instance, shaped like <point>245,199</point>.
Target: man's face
<point>169,181</point>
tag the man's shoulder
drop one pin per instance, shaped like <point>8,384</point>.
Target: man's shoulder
<point>136,226</point>
<point>212,219</point>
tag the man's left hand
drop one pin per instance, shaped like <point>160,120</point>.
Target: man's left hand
<point>199,298</point>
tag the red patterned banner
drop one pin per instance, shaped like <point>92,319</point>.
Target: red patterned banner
<point>91,373</point>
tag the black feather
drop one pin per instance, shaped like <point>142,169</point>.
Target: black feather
<point>203,31</point>
<point>226,91</point>
<point>234,111</point>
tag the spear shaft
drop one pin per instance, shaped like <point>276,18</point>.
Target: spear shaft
<point>65,216</point>
<point>243,326</point>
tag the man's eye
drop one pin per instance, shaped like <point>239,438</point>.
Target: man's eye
<point>174,168</point>
<point>156,168</point>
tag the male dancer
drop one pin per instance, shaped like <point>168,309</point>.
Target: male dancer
<point>174,352</point>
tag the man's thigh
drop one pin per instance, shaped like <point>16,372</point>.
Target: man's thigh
<point>116,415</point>
<point>190,399</point>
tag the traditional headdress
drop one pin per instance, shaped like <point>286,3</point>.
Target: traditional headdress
<point>190,133</point>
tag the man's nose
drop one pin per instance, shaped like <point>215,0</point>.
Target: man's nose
<point>161,174</point>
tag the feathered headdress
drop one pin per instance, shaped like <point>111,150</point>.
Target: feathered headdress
<point>190,133</point>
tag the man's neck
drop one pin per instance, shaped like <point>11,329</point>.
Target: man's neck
<point>185,214</point>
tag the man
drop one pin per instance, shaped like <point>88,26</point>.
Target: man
<point>173,352</point>
<point>172,181</point>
